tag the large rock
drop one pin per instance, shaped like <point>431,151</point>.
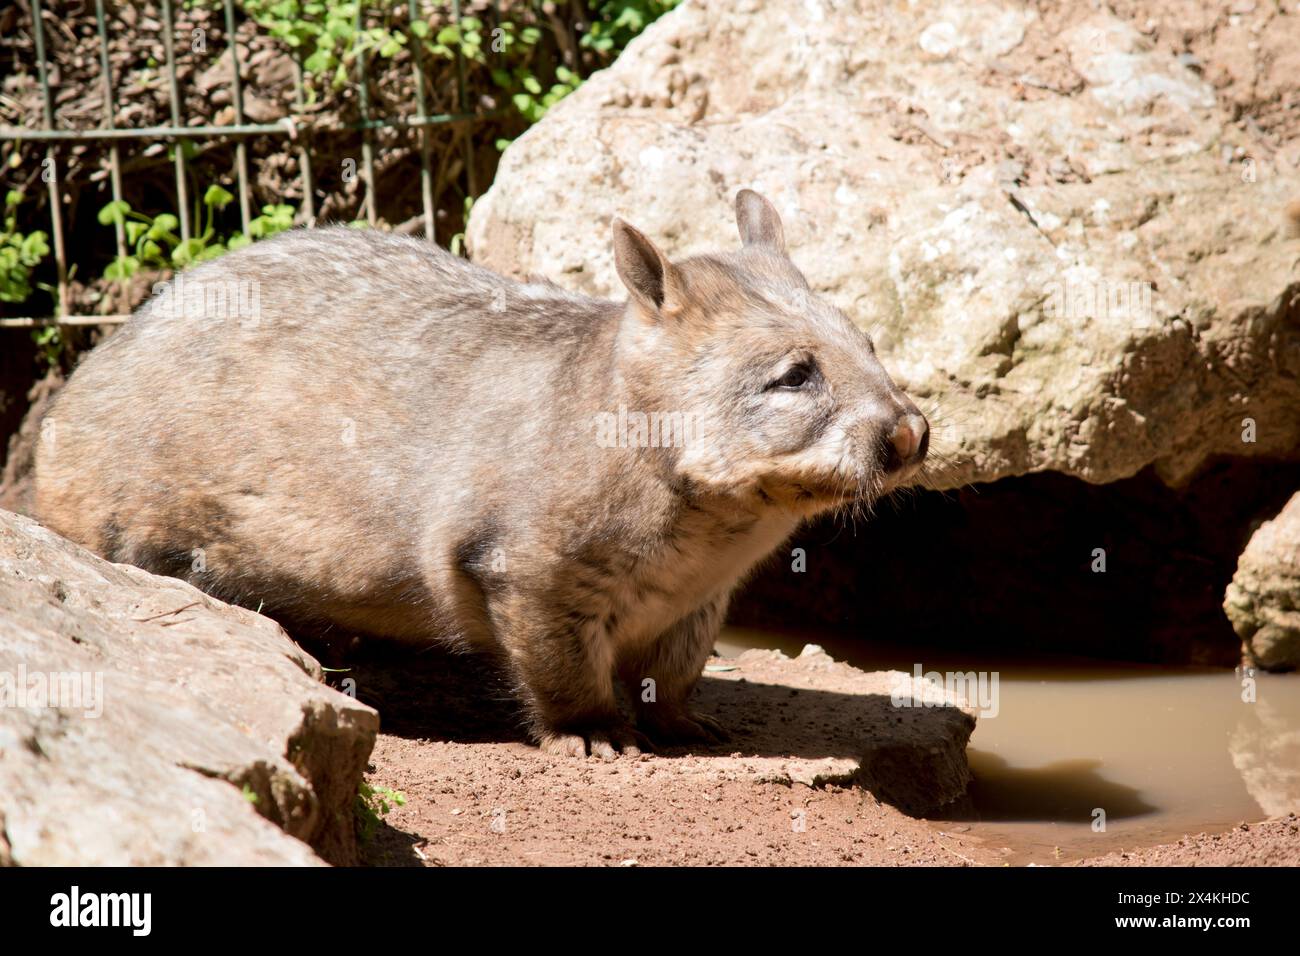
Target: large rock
<point>902,738</point>
<point>1065,239</point>
<point>1263,600</point>
<point>145,723</point>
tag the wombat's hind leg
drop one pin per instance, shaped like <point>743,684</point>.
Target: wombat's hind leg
<point>143,551</point>
<point>659,682</point>
<point>565,679</point>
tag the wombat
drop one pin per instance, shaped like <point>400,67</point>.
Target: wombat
<point>357,430</point>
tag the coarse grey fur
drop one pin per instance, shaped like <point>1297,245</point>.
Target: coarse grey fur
<point>382,438</point>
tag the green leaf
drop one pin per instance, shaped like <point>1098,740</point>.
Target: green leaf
<point>114,212</point>
<point>34,249</point>
<point>187,252</point>
<point>217,197</point>
<point>122,268</point>
<point>318,62</point>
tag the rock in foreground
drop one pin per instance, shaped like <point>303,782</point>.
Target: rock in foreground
<point>814,720</point>
<point>145,723</point>
<point>1263,600</point>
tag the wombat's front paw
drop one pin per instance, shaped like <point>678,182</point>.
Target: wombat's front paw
<point>683,727</point>
<point>605,744</point>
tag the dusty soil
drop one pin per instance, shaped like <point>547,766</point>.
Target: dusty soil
<point>547,811</point>
<point>1271,843</point>
<point>478,794</point>
<point>507,804</point>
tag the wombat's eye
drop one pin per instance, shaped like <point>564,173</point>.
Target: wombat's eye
<point>794,378</point>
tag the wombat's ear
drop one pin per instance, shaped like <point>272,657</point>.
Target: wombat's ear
<point>646,271</point>
<point>759,223</point>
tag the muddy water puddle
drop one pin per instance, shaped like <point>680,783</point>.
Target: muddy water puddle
<point>1084,758</point>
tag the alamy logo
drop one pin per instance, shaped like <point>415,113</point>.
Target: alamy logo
<point>1120,301</point>
<point>978,689</point>
<point>74,908</point>
<point>625,429</point>
<point>215,299</point>
<point>65,690</point>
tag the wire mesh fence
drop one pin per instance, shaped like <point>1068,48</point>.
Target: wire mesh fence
<point>298,129</point>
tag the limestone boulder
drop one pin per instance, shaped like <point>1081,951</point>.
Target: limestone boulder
<point>145,723</point>
<point>1263,600</point>
<point>1066,241</point>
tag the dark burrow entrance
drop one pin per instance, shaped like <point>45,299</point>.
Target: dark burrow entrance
<point>1008,567</point>
<point>1101,736</point>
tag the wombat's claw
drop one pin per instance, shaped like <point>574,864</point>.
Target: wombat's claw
<point>603,744</point>
<point>687,728</point>
<point>564,745</point>
<point>715,729</point>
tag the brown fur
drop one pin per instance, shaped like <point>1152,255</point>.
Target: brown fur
<point>393,441</point>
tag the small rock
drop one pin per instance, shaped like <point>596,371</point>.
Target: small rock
<point>1263,600</point>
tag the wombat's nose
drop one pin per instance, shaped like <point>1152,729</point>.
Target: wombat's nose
<point>911,438</point>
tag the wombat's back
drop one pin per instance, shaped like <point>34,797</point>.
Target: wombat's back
<point>297,412</point>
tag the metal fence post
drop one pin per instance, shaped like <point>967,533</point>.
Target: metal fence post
<point>180,135</point>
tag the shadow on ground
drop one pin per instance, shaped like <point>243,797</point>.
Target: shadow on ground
<point>432,694</point>
<point>1067,791</point>
<point>841,729</point>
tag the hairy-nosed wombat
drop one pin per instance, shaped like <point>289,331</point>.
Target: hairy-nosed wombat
<point>359,430</point>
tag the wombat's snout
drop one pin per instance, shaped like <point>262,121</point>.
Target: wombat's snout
<point>909,440</point>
